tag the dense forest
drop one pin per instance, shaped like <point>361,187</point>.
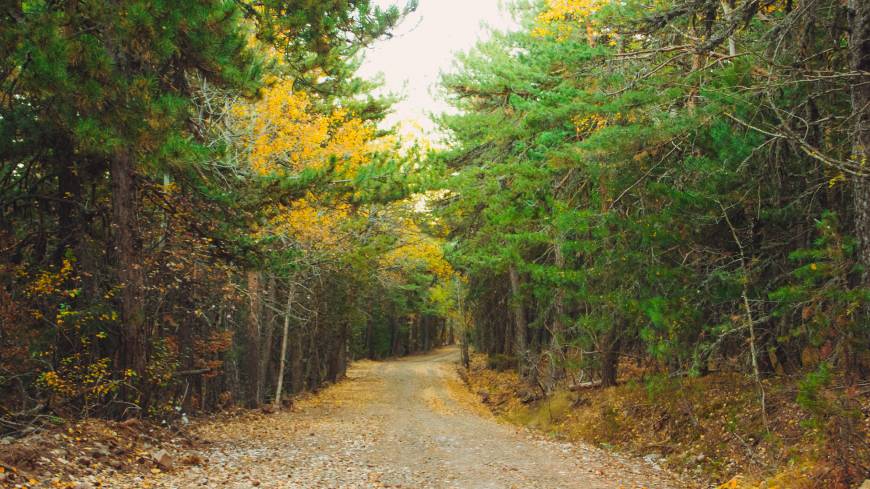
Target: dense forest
<point>198,209</point>
<point>680,187</point>
<point>680,184</point>
<point>200,206</point>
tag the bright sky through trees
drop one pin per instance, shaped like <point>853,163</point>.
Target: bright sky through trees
<point>424,45</point>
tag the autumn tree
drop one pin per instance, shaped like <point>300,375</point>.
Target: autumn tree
<point>116,174</point>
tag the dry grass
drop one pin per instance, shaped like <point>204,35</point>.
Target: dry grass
<point>710,427</point>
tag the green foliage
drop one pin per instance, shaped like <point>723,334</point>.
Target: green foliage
<point>822,296</point>
<point>809,391</point>
<point>650,201</point>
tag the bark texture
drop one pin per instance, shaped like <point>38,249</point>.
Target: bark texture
<point>521,327</point>
<point>251,362</point>
<point>859,46</point>
<point>128,255</point>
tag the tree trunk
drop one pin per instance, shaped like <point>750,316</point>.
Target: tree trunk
<point>341,355</point>
<point>411,335</point>
<point>252,359</point>
<point>425,333</point>
<point>370,340</point>
<point>521,327</point>
<point>610,356</point>
<point>395,339</point>
<point>466,358</point>
<point>279,384</point>
<point>507,342</point>
<point>463,326</point>
<point>556,349</point>
<point>267,334</point>
<point>296,368</point>
<point>313,362</point>
<point>128,253</point>
<point>859,47</point>
<point>337,360</point>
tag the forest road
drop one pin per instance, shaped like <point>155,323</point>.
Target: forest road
<point>408,423</point>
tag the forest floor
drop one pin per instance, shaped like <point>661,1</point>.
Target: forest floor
<point>708,428</point>
<point>409,423</point>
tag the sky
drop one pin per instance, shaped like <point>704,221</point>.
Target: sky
<point>424,45</point>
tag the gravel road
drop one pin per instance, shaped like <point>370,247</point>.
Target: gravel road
<point>407,423</point>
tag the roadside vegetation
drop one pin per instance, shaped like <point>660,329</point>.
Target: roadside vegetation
<point>660,213</point>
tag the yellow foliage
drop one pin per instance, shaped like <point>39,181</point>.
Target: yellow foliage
<point>74,377</point>
<point>418,249</point>
<point>734,483</point>
<point>558,10</point>
<point>285,134</point>
<point>561,16</point>
<point>48,282</point>
<point>54,382</point>
<point>311,222</point>
<point>589,124</point>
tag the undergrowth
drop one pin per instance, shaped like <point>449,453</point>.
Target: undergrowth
<point>813,434</point>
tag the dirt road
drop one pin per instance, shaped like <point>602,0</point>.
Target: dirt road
<point>409,423</point>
